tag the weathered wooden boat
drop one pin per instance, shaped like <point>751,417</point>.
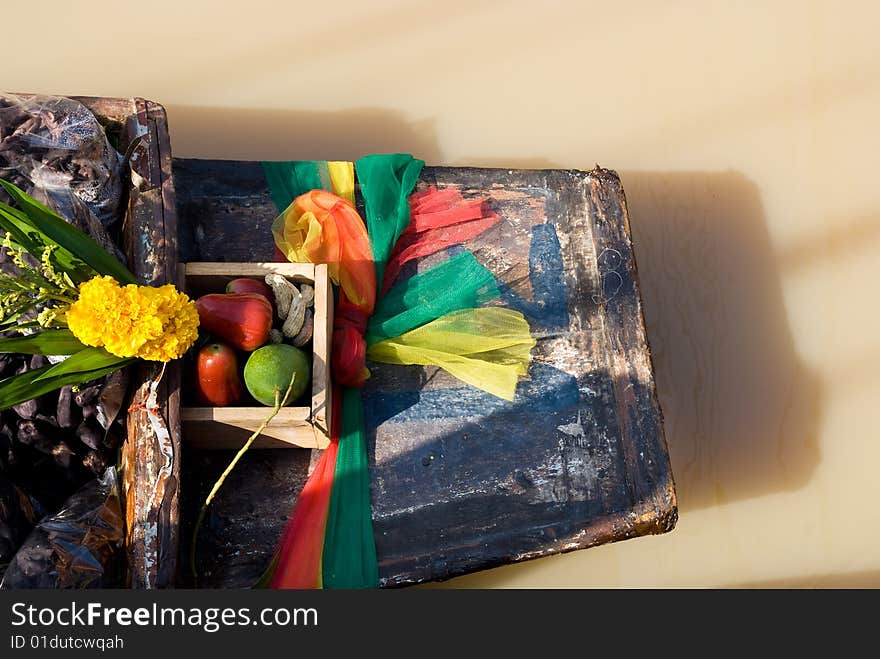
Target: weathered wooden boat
<point>461,481</point>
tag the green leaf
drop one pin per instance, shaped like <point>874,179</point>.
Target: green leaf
<point>15,223</point>
<point>48,342</point>
<point>15,212</point>
<point>68,236</point>
<point>25,386</point>
<point>87,359</point>
<point>32,240</point>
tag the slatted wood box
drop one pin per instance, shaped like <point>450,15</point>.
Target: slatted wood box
<point>229,427</point>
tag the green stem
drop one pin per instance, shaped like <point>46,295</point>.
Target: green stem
<point>61,298</point>
<point>279,403</point>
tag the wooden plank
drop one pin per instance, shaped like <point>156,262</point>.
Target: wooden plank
<point>201,278</point>
<point>629,358</point>
<point>151,465</point>
<point>297,272</point>
<point>226,428</point>
<point>322,391</point>
<point>170,506</point>
<point>462,481</point>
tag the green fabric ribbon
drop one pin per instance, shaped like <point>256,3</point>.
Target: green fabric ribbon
<point>386,182</point>
<point>287,180</point>
<point>460,282</point>
<point>349,559</point>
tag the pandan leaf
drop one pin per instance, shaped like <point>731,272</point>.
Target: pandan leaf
<point>69,237</point>
<point>87,359</point>
<point>48,342</point>
<point>32,240</point>
<point>15,223</point>
<point>30,384</point>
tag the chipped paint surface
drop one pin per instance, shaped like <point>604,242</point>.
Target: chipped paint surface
<point>574,429</point>
<point>156,488</point>
<point>149,236</point>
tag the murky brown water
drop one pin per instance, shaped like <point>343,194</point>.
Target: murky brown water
<point>747,143</point>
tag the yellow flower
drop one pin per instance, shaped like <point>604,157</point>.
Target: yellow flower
<point>153,323</point>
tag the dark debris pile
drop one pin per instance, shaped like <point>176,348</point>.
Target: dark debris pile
<point>51,447</point>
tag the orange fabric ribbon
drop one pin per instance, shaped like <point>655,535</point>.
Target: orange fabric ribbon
<point>320,227</point>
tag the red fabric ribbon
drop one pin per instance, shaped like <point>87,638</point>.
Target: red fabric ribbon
<point>349,347</point>
<point>439,219</point>
<point>302,541</point>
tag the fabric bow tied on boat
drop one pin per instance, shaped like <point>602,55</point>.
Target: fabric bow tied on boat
<point>435,317</point>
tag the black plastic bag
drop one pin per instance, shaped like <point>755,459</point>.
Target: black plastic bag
<point>18,515</point>
<point>80,546</point>
<point>55,150</point>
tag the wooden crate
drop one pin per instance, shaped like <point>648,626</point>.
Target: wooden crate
<point>230,427</point>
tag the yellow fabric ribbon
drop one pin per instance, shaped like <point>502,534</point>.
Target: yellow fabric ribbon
<point>487,347</point>
<point>322,227</point>
<point>342,178</point>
